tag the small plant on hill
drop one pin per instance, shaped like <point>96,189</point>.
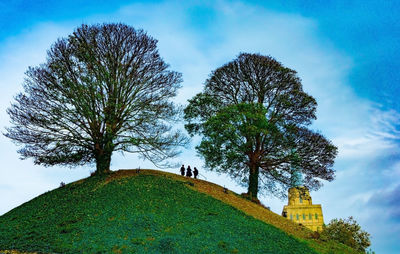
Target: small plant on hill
<point>348,232</point>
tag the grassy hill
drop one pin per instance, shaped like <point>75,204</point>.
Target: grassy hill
<point>151,212</point>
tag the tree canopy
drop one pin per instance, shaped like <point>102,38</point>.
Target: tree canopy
<point>253,116</point>
<point>103,89</point>
<point>348,232</point>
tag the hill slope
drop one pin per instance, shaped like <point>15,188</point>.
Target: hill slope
<point>150,212</point>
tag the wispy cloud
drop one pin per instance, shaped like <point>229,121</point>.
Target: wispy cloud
<point>377,134</point>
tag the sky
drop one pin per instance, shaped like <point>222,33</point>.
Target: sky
<point>345,52</point>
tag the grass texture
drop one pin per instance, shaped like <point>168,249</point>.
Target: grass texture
<point>150,212</point>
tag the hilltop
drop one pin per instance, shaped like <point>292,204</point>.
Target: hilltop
<point>151,212</point>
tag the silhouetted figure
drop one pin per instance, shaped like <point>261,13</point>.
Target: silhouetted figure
<point>195,172</point>
<point>189,172</point>
<point>183,170</point>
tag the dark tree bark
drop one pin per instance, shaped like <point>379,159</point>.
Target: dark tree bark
<point>253,181</point>
<point>103,89</point>
<point>253,116</point>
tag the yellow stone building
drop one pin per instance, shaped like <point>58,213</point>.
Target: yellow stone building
<point>300,209</point>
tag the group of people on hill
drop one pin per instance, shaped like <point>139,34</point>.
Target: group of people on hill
<point>189,171</point>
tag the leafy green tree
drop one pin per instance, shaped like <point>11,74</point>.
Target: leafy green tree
<point>348,232</point>
<point>253,117</point>
<point>103,89</point>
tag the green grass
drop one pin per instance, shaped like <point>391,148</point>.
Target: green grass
<point>139,213</point>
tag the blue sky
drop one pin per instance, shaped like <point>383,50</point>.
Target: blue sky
<point>347,55</point>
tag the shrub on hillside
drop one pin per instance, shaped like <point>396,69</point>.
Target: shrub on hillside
<point>348,232</point>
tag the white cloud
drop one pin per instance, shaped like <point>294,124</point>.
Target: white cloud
<point>375,133</point>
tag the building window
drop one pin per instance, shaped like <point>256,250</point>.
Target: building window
<point>291,216</point>
<point>301,200</point>
<point>310,216</point>
<point>297,216</point>
<point>316,216</point>
<point>304,216</point>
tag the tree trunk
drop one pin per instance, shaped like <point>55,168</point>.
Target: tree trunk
<point>103,158</point>
<point>253,181</point>
<point>103,163</point>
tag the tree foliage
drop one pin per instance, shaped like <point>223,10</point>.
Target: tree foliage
<point>103,89</point>
<point>253,117</point>
<point>348,232</point>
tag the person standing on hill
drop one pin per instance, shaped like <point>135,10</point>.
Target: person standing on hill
<point>189,171</point>
<point>183,170</point>
<point>195,172</point>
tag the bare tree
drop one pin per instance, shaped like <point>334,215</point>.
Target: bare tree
<point>103,89</point>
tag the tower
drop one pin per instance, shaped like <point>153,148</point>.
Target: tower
<point>300,208</point>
